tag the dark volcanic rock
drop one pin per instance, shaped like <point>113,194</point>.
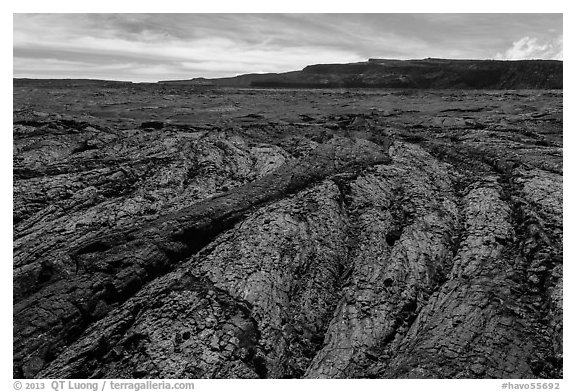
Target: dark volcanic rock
<point>301,235</point>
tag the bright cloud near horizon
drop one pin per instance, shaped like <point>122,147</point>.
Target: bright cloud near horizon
<point>152,47</point>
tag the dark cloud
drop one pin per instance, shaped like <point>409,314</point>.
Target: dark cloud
<point>165,46</point>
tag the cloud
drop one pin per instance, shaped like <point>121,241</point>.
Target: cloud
<point>151,47</point>
<point>528,48</point>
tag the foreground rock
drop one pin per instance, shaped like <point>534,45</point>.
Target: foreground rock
<point>373,244</point>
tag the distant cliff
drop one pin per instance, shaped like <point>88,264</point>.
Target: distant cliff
<point>427,73</point>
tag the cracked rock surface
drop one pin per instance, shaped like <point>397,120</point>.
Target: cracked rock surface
<point>286,233</point>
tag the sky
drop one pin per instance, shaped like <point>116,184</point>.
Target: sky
<point>152,47</point>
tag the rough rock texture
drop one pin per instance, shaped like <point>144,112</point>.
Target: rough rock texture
<point>283,234</point>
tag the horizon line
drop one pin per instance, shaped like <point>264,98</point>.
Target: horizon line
<point>275,73</point>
